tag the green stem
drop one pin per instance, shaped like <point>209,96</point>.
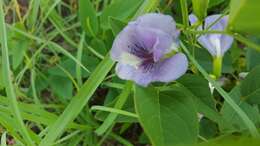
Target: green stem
<point>247,42</point>
<point>184,11</point>
<point>217,66</point>
<point>8,80</point>
<point>247,121</point>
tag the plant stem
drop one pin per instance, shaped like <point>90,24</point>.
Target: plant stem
<point>217,66</point>
<point>184,11</point>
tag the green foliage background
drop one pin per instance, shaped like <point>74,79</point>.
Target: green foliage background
<point>58,85</point>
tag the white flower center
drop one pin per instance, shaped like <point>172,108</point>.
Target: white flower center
<point>216,43</point>
<point>174,46</point>
<point>130,59</point>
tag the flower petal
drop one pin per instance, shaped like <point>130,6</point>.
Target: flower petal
<point>193,19</point>
<point>216,44</point>
<point>172,68</point>
<point>128,72</point>
<point>161,22</point>
<point>226,43</point>
<point>166,71</point>
<point>156,40</point>
<point>214,22</point>
<point>225,40</point>
<point>204,41</point>
<point>122,42</point>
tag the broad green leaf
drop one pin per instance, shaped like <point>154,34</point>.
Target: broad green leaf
<point>119,9</point>
<point>250,87</point>
<point>208,129</point>
<point>19,48</point>
<point>99,46</point>
<point>199,90</point>
<point>243,16</point>
<point>252,55</point>
<point>234,121</point>
<point>61,86</point>
<point>200,8</point>
<point>88,18</point>
<point>168,118</point>
<point>18,45</point>
<point>116,25</point>
<point>231,141</point>
<point>252,58</point>
<point>199,87</point>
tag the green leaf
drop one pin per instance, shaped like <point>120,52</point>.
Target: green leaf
<point>1,77</point>
<point>35,113</point>
<point>168,118</point>
<point>198,87</point>
<point>250,125</point>
<point>243,16</point>
<point>231,140</point>
<point>208,129</point>
<point>128,106</point>
<point>252,55</point>
<point>69,65</point>
<point>229,114</point>
<point>9,87</point>
<point>19,48</point>
<point>116,25</point>
<point>213,3</point>
<point>78,102</point>
<point>88,18</point>
<point>250,87</point>
<point>18,45</point>
<point>122,98</point>
<point>99,46</point>
<point>252,58</point>
<point>146,7</point>
<point>200,8</point>
<point>119,9</point>
<point>61,86</point>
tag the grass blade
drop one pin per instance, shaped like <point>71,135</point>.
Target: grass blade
<point>184,11</point>
<point>113,111</point>
<point>78,102</point>
<point>122,98</point>
<point>8,80</point>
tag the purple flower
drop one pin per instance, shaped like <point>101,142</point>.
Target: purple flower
<point>143,50</point>
<point>216,44</point>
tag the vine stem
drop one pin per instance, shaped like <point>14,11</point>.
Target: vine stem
<point>217,66</point>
